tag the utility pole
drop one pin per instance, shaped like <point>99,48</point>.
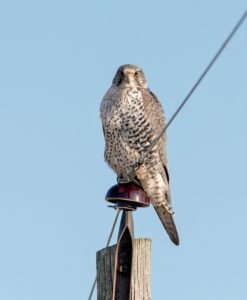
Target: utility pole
<point>124,269</point>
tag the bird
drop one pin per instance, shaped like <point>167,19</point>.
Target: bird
<point>132,117</point>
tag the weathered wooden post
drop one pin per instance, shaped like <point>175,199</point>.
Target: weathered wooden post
<point>123,270</point>
<point>140,287</point>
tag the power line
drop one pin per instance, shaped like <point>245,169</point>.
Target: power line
<point>141,160</point>
<point>107,244</point>
<point>204,73</point>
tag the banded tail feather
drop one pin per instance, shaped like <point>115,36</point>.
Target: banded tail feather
<point>167,220</point>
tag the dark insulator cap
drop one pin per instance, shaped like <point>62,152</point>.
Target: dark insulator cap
<point>129,194</point>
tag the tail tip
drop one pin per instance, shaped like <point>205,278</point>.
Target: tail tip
<point>175,240</point>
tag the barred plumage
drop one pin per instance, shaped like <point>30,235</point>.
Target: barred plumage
<point>132,117</point>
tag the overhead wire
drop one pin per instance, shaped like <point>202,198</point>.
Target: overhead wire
<point>204,73</point>
<point>107,244</point>
<point>146,153</point>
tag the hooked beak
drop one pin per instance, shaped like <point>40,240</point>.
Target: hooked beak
<point>128,81</point>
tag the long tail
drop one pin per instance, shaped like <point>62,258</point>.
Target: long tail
<point>167,221</point>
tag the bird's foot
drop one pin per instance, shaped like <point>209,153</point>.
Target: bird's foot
<point>131,173</point>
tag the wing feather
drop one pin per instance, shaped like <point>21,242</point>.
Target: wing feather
<point>155,114</point>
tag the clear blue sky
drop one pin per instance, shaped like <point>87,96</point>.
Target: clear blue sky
<point>57,58</point>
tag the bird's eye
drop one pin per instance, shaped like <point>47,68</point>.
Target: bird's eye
<point>136,73</point>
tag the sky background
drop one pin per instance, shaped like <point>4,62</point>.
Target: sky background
<point>57,59</point>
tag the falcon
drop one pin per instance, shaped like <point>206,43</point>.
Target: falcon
<point>132,117</point>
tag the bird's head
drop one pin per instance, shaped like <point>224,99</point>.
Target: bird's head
<point>130,76</point>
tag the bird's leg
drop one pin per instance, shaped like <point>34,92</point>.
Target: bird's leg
<point>131,176</point>
<point>131,172</point>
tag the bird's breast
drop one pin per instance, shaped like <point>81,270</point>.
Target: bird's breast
<point>121,108</point>
<point>121,112</point>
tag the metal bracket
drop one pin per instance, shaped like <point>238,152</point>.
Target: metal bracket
<point>125,197</point>
<point>123,258</point>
